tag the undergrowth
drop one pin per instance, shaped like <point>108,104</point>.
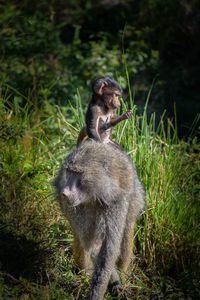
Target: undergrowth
<point>35,252</point>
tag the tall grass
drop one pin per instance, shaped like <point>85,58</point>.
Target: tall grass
<point>36,239</point>
<point>169,236</point>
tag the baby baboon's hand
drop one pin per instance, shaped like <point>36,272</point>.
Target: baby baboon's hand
<point>129,114</point>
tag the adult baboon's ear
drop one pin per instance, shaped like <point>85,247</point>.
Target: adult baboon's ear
<point>102,87</point>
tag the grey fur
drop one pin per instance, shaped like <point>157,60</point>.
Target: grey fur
<point>103,224</point>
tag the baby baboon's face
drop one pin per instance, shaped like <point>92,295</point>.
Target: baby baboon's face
<point>111,97</point>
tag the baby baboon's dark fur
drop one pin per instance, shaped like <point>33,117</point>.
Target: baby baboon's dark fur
<point>101,113</point>
<point>101,195</point>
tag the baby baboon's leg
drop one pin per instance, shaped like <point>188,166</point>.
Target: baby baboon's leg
<point>116,145</point>
<point>82,136</point>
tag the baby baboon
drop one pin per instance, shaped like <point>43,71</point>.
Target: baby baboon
<point>101,195</point>
<point>101,112</point>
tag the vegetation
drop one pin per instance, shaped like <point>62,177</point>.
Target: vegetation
<point>36,258</point>
<point>51,48</point>
<point>48,57</point>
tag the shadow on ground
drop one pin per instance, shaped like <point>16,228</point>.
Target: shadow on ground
<point>20,257</point>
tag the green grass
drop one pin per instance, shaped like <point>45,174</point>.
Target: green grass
<point>36,259</point>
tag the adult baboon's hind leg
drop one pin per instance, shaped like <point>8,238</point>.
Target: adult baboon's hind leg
<point>82,257</point>
<point>115,286</point>
<point>127,245</point>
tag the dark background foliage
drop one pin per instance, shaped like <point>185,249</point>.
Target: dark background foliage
<point>51,48</point>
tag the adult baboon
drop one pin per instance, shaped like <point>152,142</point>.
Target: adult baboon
<point>101,195</point>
